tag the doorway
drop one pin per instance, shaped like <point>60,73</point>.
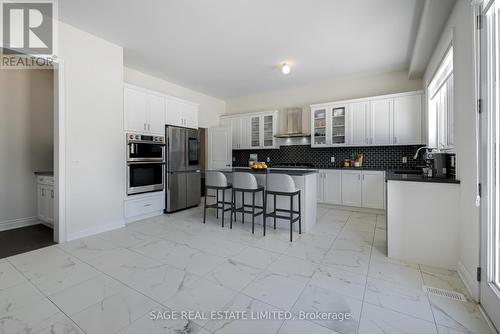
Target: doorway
<point>28,151</point>
<point>489,55</point>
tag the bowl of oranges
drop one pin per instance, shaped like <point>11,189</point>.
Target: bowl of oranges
<point>259,166</point>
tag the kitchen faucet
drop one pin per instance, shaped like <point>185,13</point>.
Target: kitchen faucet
<point>416,153</point>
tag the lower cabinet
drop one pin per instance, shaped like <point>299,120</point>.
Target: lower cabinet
<point>352,188</point>
<point>142,206</point>
<point>45,199</point>
<point>373,185</point>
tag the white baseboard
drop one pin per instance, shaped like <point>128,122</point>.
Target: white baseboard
<point>95,230</point>
<point>17,223</point>
<point>469,281</point>
<point>141,217</point>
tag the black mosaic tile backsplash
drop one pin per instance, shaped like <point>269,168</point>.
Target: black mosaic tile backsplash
<point>377,157</point>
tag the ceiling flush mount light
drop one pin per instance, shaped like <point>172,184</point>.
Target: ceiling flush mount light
<point>285,68</point>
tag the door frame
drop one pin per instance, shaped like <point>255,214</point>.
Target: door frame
<point>489,294</point>
<point>60,125</point>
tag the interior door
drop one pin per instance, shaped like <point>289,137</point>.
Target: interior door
<point>220,153</point>
<point>490,162</point>
<point>176,158</point>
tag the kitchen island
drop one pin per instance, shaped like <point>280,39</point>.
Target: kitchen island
<point>305,180</point>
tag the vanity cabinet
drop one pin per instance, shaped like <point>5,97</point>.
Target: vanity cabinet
<point>45,199</point>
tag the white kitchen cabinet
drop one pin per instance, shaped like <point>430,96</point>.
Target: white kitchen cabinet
<point>394,119</point>
<point>135,107</point>
<point>141,206</point>
<point>268,130</point>
<point>332,187</point>
<point>380,122</point>
<point>144,111</point>
<point>373,184</point>
<point>256,130</point>
<point>357,114</point>
<point>320,186</point>
<point>351,188</point>
<point>408,120</point>
<point>190,114</point>
<point>156,113</point>
<point>45,199</point>
<point>181,113</point>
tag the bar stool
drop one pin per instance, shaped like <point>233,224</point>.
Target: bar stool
<point>217,181</point>
<point>283,185</point>
<point>245,183</point>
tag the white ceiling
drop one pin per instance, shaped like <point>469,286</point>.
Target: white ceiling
<point>229,48</point>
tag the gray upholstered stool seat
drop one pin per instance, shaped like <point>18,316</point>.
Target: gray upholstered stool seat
<point>283,185</point>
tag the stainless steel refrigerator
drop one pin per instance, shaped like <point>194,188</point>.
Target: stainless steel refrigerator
<point>182,168</point>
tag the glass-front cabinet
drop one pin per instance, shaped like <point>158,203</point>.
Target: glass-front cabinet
<point>338,117</point>
<point>328,126</point>
<point>255,132</point>
<point>319,127</point>
<point>269,123</point>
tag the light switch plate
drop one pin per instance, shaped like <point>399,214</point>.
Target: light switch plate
<point>405,160</point>
<point>332,159</point>
<point>268,159</point>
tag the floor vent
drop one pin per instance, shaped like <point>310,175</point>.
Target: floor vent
<point>444,293</point>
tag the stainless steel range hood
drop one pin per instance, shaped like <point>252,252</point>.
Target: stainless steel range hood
<point>293,126</point>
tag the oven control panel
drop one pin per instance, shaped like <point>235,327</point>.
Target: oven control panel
<point>137,138</point>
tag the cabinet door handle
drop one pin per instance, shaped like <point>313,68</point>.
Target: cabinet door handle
<point>144,126</point>
<point>43,192</point>
<point>52,194</point>
<point>149,127</point>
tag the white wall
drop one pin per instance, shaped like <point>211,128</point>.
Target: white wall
<point>210,108</point>
<point>460,26</point>
<point>95,173</point>
<point>327,91</point>
<point>26,139</point>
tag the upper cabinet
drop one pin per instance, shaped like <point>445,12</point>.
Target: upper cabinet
<point>408,120</point>
<point>357,116</point>
<point>252,131</point>
<point>384,120</point>
<point>181,113</point>
<point>379,122</point>
<point>148,112</point>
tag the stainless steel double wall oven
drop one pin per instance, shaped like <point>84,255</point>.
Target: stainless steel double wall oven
<point>145,163</point>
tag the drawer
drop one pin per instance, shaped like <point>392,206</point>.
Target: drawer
<point>46,180</point>
<point>144,206</point>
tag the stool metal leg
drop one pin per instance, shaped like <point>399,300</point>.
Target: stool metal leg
<point>217,207</point>
<point>264,198</point>
<point>300,216</point>
<point>205,208</point>
<point>275,212</point>
<point>243,207</point>
<point>291,217</point>
<point>253,212</point>
<point>232,210</point>
<point>223,205</point>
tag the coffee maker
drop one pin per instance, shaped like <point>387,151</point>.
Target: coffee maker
<point>440,164</point>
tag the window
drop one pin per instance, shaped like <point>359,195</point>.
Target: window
<point>440,105</point>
